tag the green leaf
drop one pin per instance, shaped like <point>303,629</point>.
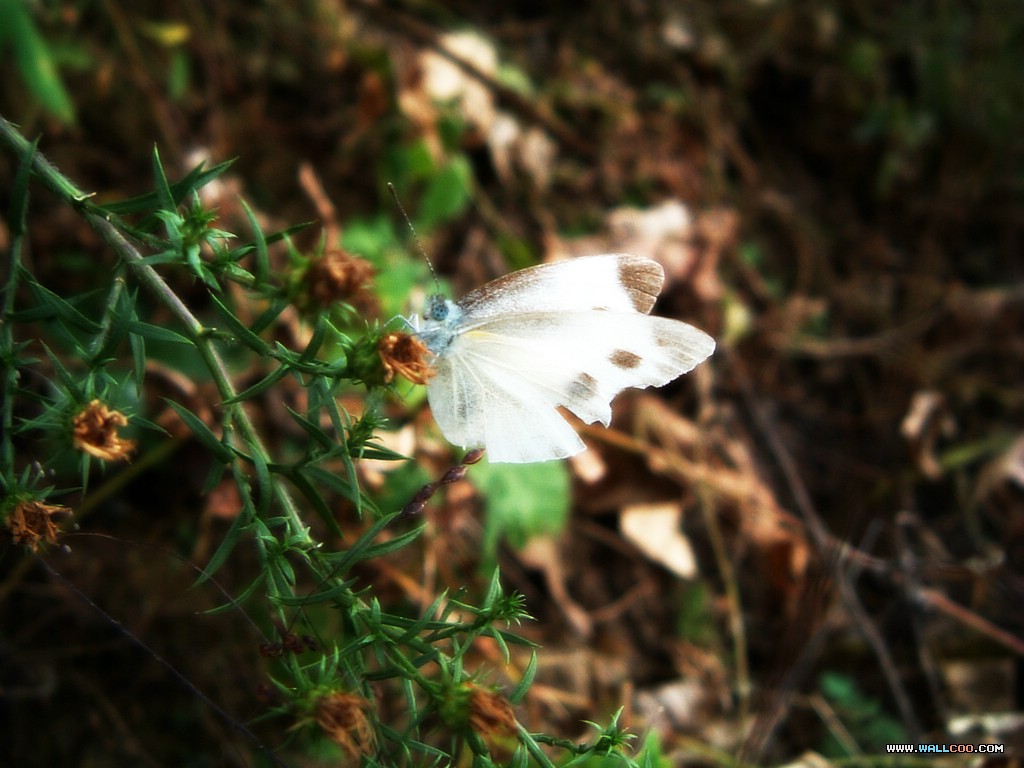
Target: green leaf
<point>268,316</point>
<point>239,329</point>
<point>34,60</point>
<point>392,545</point>
<point>163,257</point>
<point>164,196</point>
<point>525,681</point>
<point>523,501</point>
<point>448,194</point>
<point>19,189</point>
<point>260,386</point>
<point>196,179</point>
<point>340,485</point>
<point>70,382</point>
<point>238,600</point>
<point>325,596</point>
<point>202,433</point>
<point>137,342</point>
<point>535,750</point>
<point>262,255</point>
<point>152,332</point>
<point>312,429</point>
<point>316,499</point>
<point>316,340</point>
<point>49,305</point>
<point>357,552</point>
<point>119,318</point>
<point>264,484</point>
<point>227,544</point>
<point>213,477</point>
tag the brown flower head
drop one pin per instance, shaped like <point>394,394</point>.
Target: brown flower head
<point>94,430</point>
<point>31,521</point>
<point>405,355</point>
<point>490,714</point>
<point>339,276</point>
<point>344,717</point>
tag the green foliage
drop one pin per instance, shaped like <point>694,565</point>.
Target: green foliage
<point>398,277</point>
<point>93,352</point>
<point>695,620</point>
<point>863,717</point>
<point>523,501</point>
<point>34,59</point>
<point>441,188</point>
<point>963,64</point>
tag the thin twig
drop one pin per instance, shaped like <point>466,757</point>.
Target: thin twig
<point>824,543</point>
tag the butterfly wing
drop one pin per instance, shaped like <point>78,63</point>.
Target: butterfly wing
<point>617,282</point>
<point>500,382</point>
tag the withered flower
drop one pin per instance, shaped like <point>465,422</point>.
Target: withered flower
<point>339,276</point>
<point>31,521</point>
<point>344,717</point>
<point>405,355</point>
<point>94,430</point>
<point>490,714</point>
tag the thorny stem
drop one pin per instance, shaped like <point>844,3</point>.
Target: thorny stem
<point>57,183</point>
<point>236,419</point>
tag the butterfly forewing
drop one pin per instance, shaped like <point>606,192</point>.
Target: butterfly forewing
<point>618,282</point>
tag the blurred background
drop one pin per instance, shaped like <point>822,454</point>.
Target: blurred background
<point>814,543</point>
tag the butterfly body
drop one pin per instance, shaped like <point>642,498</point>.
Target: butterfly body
<point>572,335</point>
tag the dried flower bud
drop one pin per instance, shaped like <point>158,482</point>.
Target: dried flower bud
<point>31,521</point>
<point>490,714</point>
<point>344,718</point>
<point>405,355</point>
<point>94,431</point>
<point>473,456</point>
<point>468,706</point>
<point>338,276</point>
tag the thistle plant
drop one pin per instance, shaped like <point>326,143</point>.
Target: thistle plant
<point>75,376</point>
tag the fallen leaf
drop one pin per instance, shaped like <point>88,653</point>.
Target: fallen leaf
<point>656,530</point>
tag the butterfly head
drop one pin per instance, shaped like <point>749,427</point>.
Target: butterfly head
<point>438,309</point>
<point>440,316</point>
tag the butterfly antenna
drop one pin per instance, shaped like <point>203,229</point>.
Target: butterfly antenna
<point>415,237</point>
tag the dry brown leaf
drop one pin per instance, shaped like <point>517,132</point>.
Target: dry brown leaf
<point>922,425</point>
<point>731,480</point>
<point>656,530</point>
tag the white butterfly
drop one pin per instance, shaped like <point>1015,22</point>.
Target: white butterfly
<point>572,334</point>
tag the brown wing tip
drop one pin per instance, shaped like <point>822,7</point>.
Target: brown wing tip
<point>642,278</point>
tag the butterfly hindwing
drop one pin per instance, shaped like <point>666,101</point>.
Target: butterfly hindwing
<point>500,382</point>
<point>474,408</point>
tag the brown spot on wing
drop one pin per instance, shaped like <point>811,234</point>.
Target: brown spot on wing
<point>625,360</point>
<point>582,387</point>
<point>642,278</point>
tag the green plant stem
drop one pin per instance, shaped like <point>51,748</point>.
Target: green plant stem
<point>57,183</point>
<point>388,636</point>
